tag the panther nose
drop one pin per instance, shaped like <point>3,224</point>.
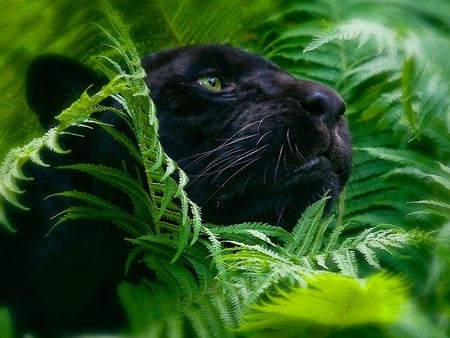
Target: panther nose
<point>325,104</point>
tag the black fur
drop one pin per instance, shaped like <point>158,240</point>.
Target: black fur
<point>262,148</point>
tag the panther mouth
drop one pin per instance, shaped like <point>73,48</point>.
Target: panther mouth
<point>311,163</point>
<point>280,201</point>
<point>316,172</point>
<point>315,175</point>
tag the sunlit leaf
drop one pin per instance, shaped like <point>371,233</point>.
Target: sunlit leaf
<point>332,300</point>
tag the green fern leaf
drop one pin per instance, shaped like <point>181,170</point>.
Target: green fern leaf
<point>121,180</point>
<point>405,157</point>
<point>331,300</point>
<point>305,232</point>
<point>408,79</point>
<point>250,232</point>
<point>436,207</point>
<point>3,219</point>
<point>370,255</point>
<point>123,220</point>
<point>200,326</point>
<point>361,29</point>
<point>124,140</point>
<point>346,262</point>
<point>99,209</point>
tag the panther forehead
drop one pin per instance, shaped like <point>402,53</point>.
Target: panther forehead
<point>195,59</point>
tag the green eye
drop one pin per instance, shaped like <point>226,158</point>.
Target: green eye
<point>210,82</point>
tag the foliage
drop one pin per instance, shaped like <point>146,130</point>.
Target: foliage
<point>6,324</point>
<point>377,299</point>
<point>208,278</point>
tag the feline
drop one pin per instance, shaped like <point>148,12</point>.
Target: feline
<point>256,143</point>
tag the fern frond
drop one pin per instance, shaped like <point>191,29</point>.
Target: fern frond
<point>125,141</point>
<point>365,70</point>
<point>187,285</point>
<point>188,22</point>
<point>149,307</point>
<point>417,165</point>
<point>255,269</point>
<point>362,30</point>
<point>367,243</point>
<point>250,233</point>
<point>331,300</point>
<point>96,208</point>
<point>437,207</point>
<point>408,77</point>
<point>122,219</point>
<point>11,169</point>
<point>123,181</point>
<point>345,260</point>
<point>305,231</point>
<point>260,267</point>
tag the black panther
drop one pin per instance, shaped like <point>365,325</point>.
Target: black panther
<point>256,143</point>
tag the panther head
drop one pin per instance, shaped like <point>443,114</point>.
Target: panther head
<point>257,143</point>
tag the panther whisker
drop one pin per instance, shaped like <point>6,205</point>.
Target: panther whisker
<point>250,162</point>
<point>223,163</point>
<point>260,123</point>
<point>278,163</point>
<point>200,156</point>
<point>243,187</point>
<point>261,138</point>
<point>299,154</point>
<point>240,160</point>
<point>286,167</point>
<point>241,130</point>
<point>224,158</point>
<point>222,185</point>
<point>289,142</point>
<point>280,214</point>
<point>265,176</point>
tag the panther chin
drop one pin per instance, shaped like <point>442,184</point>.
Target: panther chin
<point>278,202</point>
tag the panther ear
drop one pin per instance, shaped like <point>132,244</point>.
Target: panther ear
<point>53,82</point>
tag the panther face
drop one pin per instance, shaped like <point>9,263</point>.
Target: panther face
<point>257,143</point>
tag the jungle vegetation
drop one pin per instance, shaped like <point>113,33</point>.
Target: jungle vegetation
<point>378,267</point>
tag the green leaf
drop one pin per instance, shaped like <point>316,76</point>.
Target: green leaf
<point>6,323</point>
<point>408,81</point>
<point>308,231</point>
<point>331,300</point>
<point>359,29</point>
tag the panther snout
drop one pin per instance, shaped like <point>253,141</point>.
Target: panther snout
<point>325,104</point>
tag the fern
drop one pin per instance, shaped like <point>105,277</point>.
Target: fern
<point>260,266</point>
<point>12,166</point>
<point>435,173</point>
<point>304,231</point>
<point>363,31</point>
<point>332,301</point>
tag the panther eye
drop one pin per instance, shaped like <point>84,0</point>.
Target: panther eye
<point>210,82</point>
